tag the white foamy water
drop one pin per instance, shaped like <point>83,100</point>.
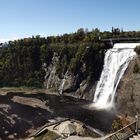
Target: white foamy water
<point>115,63</point>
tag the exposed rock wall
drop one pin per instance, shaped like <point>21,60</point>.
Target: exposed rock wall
<point>55,82</point>
<point>51,78</point>
<point>128,93</point>
<point>76,85</point>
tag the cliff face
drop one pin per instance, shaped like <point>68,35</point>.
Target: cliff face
<point>76,85</point>
<point>128,93</point>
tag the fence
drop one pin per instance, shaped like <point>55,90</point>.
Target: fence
<point>125,132</point>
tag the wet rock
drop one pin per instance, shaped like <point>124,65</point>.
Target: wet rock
<point>51,77</point>
<point>11,136</point>
<point>68,82</point>
<point>6,132</point>
<point>128,93</point>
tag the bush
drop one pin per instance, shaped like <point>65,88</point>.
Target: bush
<point>137,50</point>
<point>116,125</point>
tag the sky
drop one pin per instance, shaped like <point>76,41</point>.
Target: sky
<point>24,18</point>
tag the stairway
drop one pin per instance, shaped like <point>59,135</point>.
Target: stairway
<point>135,137</point>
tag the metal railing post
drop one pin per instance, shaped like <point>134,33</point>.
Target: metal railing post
<point>136,130</point>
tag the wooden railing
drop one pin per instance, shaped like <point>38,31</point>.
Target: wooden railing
<point>124,133</point>
<point>121,134</point>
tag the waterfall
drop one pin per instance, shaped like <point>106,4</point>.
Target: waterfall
<point>115,63</point>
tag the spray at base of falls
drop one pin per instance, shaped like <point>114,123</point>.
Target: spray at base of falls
<point>115,63</point>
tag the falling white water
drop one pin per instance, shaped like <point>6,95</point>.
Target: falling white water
<point>115,63</point>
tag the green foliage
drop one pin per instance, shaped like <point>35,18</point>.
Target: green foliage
<point>137,50</point>
<point>77,61</point>
<point>116,125</point>
<point>81,53</point>
<point>46,54</point>
<point>20,66</point>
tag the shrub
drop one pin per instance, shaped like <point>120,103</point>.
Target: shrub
<point>116,125</point>
<point>137,50</point>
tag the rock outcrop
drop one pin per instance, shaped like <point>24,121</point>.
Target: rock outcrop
<point>76,85</point>
<point>51,78</point>
<point>128,93</point>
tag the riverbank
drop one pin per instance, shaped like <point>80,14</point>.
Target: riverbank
<point>22,111</point>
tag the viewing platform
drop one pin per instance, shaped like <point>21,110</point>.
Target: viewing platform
<point>130,132</point>
<point>112,41</point>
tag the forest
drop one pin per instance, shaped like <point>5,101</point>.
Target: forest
<point>21,61</point>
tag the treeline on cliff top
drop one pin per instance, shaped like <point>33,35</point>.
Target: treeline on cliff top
<point>21,62</point>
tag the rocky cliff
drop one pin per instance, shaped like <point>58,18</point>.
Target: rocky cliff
<point>128,93</point>
<point>77,85</point>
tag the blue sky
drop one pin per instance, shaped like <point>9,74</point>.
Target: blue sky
<point>24,18</point>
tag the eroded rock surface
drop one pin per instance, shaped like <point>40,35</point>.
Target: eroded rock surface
<point>128,93</point>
